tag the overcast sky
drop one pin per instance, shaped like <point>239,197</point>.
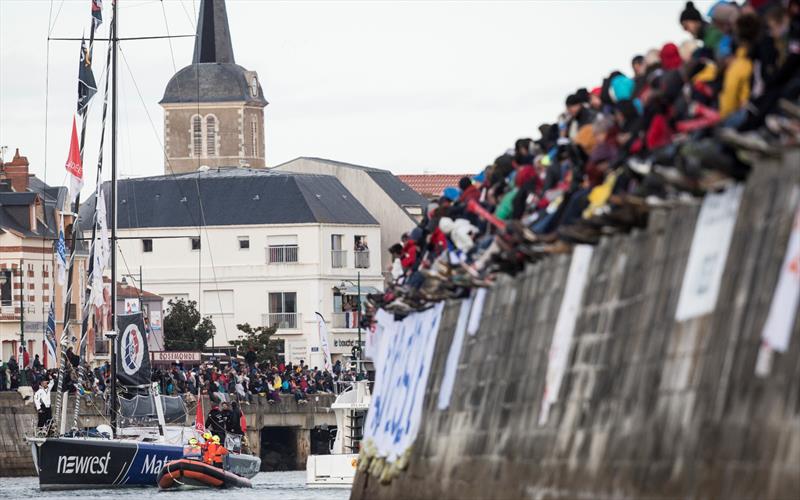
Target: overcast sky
<point>409,86</point>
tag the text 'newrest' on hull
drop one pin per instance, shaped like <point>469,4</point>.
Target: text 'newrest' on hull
<point>66,463</point>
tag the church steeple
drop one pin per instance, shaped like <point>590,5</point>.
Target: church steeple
<point>213,42</point>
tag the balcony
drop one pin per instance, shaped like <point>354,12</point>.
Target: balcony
<point>280,254</point>
<point>362,259</point>
<point>345,320</point>
<point>284,321</point>
<point>338,258</point>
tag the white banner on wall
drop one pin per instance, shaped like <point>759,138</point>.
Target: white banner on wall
<point>786,299</point>
<point>565,327</point>
<point>451,366</point>
<point>324,342</point>
<point>477,311</point>
<point>710,245</point>
<point>401,375</point>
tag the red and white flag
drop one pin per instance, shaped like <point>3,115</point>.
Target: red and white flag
<point>199,417</point>
<point>74,165</point>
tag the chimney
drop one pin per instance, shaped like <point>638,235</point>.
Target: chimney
<point>16,173</point>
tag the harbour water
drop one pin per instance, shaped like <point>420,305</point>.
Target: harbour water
<point>284,485</point>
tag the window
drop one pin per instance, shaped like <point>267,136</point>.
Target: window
<point>6,285</point>
<point>361,251</point>
<point>147,245</point>
<point>338,255</point>
<point>282,248</point>
<point>195,243</point>
<point>218,302</point>
<point>211,135</point>
<point>197,136</point>
<point>244,243</point>
<point>254,86</point>
<point>254,134</point>
<point>283,310</point>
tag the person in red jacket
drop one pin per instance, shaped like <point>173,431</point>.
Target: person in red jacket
<point>409,255</point>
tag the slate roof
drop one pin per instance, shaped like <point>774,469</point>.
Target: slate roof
<point>52,197</point>
<point>429,185</point>
<point>213,75</point>
<point>232,196</point>
<point>398,191</point>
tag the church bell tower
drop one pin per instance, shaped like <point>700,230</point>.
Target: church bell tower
<point>213,108</point>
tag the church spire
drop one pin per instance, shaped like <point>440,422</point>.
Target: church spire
<point>213,42</point>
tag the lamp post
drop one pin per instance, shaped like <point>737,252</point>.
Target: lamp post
<point>23,379</point>
<point>358,318</point>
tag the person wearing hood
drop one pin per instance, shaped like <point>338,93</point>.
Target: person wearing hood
<point>693,23</point>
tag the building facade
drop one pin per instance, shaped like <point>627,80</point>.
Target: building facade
<point>213,108</point>
<point>396,206</point>
<point>31,215</point>
<point>253,246</point>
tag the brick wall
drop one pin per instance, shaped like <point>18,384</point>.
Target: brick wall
<point>648,408</point>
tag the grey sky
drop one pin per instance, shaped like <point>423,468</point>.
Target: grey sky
<point>409,86</point>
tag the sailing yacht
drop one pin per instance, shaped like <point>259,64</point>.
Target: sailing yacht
<point>138,442</point>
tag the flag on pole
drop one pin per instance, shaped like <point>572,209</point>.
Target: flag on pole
<point>199,417</point>
<point>50,333</point>
<point>74,165</point>
<point>97,13</point>
<point>87,87</point>
<point>61,260</point>
<point>102,250</point>
<point>324,343</point>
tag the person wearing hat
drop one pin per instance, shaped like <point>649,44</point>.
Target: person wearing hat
<point>217,452</point>
<point>215,422</point>
<point>193,449</point>
<point>693,23</point>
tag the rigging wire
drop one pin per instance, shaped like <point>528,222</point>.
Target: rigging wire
<point>201,225</point>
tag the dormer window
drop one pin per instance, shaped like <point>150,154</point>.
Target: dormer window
<point>254,86</point>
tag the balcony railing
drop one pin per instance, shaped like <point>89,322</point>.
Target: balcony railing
<point>277,254</point>
<point>362,259</point>
<point>284,321</point>
<point>347,319</point>
<point>338,258</point>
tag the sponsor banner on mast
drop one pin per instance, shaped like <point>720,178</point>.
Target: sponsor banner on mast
<point>133,360</point>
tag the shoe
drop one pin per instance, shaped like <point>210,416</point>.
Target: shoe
<point>751,141</point>
<point>640,166</point>
<point>790,108</point>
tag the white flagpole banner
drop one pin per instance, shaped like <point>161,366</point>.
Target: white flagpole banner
<point>710,245</point>
<point>377,334</point>
<point>401,376</point>
<point>565,327</point>
<point>476,312</point>
<point>324,342</point>
<point>786,299</point>
<point>102,250</point>
<point>451,366</point>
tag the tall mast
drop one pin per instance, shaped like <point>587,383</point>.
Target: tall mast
<point>114,340</point>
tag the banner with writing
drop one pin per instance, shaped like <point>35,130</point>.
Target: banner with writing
<point>402,369</point>
<point>710,244</point>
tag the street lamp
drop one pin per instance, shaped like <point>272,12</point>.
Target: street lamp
<point>23,379</point>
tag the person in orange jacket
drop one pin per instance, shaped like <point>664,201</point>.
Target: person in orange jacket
<point>216,452</point>
<point>205,447</point>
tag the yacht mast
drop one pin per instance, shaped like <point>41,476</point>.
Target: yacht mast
<point>114,339</point>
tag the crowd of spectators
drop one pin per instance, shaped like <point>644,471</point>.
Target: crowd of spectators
<point>241,380</point>
<point>683,120</point>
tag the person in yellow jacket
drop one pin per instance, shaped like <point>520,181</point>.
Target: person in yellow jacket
<point>739,72</point>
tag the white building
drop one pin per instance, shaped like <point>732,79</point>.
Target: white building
<point>253,246</point>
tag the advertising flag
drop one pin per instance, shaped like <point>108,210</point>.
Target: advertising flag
<point>133,359</point>
<point>50,334</point>
<point>74,164</point>
<point>199,417</point>
<point>87,87</point>
<point>324,342</point>
<point>102,251</point>
<point>97,13</point>
<point>61,260</point>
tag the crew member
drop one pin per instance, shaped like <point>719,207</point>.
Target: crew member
<point>218,453</point>
<point>204,447</point>
<point>215,422</point>
<point>42,402</point>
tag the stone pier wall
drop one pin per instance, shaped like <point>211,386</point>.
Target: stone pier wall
<point>648,408</point>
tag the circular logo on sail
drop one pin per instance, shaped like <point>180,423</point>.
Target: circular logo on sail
<point>132,346</point>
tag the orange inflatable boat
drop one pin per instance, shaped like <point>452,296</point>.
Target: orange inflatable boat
<point>186,472</point>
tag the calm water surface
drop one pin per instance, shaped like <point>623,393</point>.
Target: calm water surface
<point>266,485</point>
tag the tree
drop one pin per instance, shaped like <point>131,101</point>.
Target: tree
<point>259,341</point>
<point>184,329</point>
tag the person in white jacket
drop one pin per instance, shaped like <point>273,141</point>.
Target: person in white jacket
<point>42,402</point>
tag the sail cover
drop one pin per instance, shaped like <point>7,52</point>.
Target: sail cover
<point>143,408</point>
<point>133,360</point>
